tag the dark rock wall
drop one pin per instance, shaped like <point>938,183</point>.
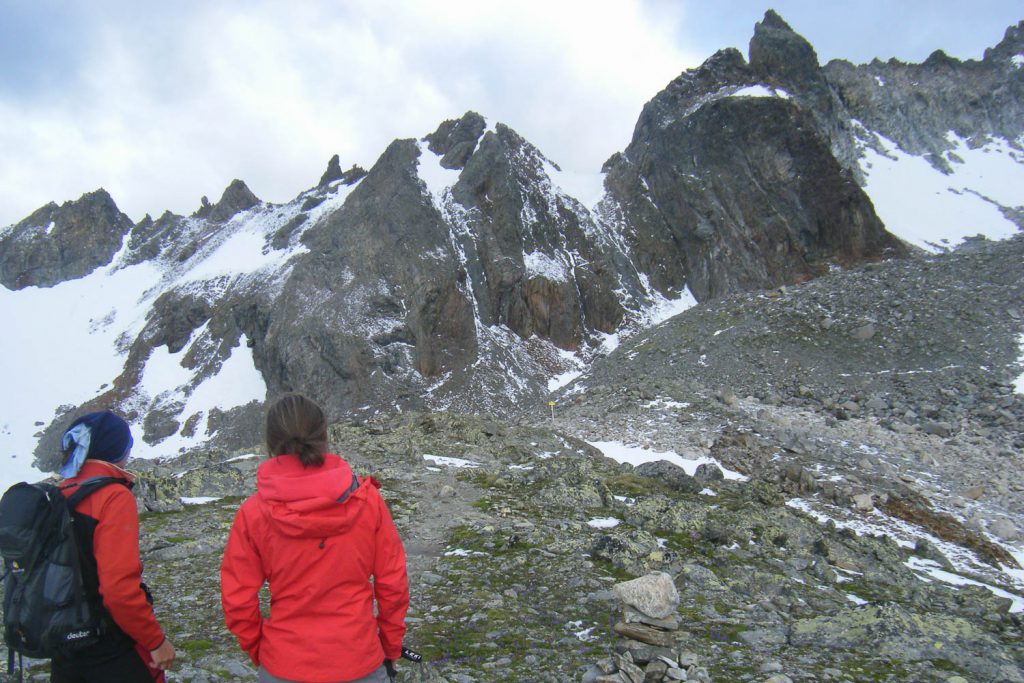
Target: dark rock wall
<point>728,193</point>
<point>86,234</point>
<point>512,214</point>
<point>376,296</point>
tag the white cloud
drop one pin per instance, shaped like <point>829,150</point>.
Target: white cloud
<point>269,94</point>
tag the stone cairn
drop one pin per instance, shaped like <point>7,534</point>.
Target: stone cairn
<point>651,646</point>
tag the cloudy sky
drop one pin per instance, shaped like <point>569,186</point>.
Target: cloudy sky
<point>162,103</point>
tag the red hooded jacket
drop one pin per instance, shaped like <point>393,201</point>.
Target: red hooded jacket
<point>113,525</point>
<point>326,543</point>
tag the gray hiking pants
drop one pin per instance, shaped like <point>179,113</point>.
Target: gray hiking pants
<point>378,676</point>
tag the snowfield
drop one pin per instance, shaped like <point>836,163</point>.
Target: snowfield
<point>934,211</point>
<point>62,348</point>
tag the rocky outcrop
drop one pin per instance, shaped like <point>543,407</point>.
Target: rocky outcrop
<point>391,311</point>
<point>58,243</point>
<point>538,268</point>
<point>918,105</point>
<point>237,197</point>
<point>456,140</point>
<point>731,182</point>
<point>414,283</point>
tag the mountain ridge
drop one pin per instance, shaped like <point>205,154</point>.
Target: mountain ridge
<point>375,288</point>
<point>823,454</point>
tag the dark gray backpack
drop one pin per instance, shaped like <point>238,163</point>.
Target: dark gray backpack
<point>47,609</point>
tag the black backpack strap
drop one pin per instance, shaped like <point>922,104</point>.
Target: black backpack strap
<point>89,486</point>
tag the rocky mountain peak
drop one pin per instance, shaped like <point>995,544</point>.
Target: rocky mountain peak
<point>58,243</point>
<point>776,50</point>
<point>237,197</point>
<point>456,140</point>
<point>940,59</point>
<point>1010,46</point>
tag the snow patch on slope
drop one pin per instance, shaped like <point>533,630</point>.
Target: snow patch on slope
<point>539,264</point>
<point>240,249</point>
<point>237,383</point>
<point>761,91</point>
<point>436,177</point>
<point>64,344</point>
<point>927,208</point>
<point>576,368</point>
<point>636,455</point>
<point>586,188</point>
<point>906,535</point>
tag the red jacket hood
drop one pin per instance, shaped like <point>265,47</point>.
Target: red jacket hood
<point>309,502</point>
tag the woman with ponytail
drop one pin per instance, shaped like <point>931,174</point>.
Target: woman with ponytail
<point>325,542</point>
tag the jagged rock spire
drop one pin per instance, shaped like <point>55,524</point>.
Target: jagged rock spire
<point>237,197</point>
<point>777,50</point>
<point>58,243</point>
<point>332,173</point>
<point>456,140</point>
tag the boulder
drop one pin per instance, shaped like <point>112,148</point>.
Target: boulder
<point>654,595</point>
<point>669,474</point>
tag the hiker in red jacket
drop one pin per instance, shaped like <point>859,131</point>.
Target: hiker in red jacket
<point>133,648</point>
<point>325,541</point>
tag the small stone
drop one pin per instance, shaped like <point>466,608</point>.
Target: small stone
<point>675,674</point>
<point>669,623</point>
<point>876,403</point>
<point>708,472</point>
<point>938,428</point>
<point>864,332</point>
<point>974,492</point>
<point>629,670</point>
<point>645,634</point>
<point>1005,529</point>
<point>655,671</point>
<point>687,659</point>
<point>431,579</point>
<point>779,678</point>
<point>864,502</point>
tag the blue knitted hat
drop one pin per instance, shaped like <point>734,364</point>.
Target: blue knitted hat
<point>100,436</point>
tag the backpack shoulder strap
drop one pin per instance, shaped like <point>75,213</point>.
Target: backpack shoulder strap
<point>90,486</point>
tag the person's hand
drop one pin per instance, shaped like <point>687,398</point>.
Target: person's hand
<point>163,656</point>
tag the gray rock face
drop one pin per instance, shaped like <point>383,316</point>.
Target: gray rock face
<point>504,194</point>
<point>916,105</point>
<point>457,140</point>
<point>727,193</point>
<point>237,197</point>
<point>414,287</point>
<point>58,243</point>
<point>392,311</point>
